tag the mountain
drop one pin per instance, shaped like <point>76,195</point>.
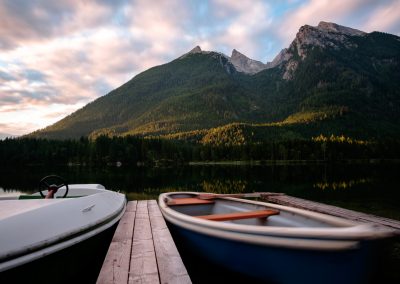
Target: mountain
<point>330,80</point>
<point>246,65</point>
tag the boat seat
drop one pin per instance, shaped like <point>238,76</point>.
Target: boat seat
<point>240,215</point>
<point>188,201</point>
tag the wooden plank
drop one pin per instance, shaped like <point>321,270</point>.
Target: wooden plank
<point>170,265</point>
<point>142,249</point>
<point>131,206</point>
<point>334,211</point>
<point>188,201</point>
<point>143,266</point>
<point>239,215</point>
<point>115,268</point>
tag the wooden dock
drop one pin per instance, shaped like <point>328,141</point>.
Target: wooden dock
<point>283,199</point>
<point>142,249</point>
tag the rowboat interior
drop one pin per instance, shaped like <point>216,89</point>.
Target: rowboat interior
<point>245,212</point>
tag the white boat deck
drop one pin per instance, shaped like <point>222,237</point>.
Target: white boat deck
<point>33,228</point>
<point>9,208</point>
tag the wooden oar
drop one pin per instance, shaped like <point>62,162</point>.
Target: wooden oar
<point>237,195</point>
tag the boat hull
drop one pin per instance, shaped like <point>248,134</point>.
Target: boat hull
<point>283,265</point>
<point>79,263</point>
<point>293,246</point>
<point>58,240</point>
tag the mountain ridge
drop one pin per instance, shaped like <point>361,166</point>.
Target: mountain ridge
<point>331,78</point>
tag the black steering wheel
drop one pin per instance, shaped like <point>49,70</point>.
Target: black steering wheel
<point>52,183</point>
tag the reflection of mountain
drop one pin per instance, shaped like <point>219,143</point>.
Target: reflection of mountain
<point>9,191</point>
<point>225,186</point>
<point>341,185</point>
<point>330,80</point>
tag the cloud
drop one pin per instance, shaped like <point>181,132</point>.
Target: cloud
<point>56,56</point>
<point>24,22</point>
<point>366,15</point>
<point>312,13</point>
<point>161,25</point>
<point>385,18</point>
<point>4,76</point>
<point>34,75</point>
<point>18,121</point>
<point>246,23</point>
<point>9,99</point>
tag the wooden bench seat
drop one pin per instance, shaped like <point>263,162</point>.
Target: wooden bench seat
<point>188,201</point>
<point>240,215</point>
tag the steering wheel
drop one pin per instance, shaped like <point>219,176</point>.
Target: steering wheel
<point>52,184</point>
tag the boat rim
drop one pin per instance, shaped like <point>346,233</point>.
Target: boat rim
<point>350,231</point>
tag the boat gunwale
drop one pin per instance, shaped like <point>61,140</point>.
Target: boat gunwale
<point>269,240</point>
<point>354,231</point>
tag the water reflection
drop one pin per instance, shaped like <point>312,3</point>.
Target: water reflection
<point>339,185</point>
<point>225,186</point>
<point>9,192</point>
<point>362,187</point>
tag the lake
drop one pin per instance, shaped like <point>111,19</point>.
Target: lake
<point>367,188</point>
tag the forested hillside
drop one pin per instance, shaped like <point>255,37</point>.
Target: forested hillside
<point>331,80</point>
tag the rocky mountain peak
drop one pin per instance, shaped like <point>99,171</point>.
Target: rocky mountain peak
<point>335,28</point>
<point>244,64</point>
<point>282,56</point>
<point>324,35</point>
<point>237,54</point>
<point>197,49</point>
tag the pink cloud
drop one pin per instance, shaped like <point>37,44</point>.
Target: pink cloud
<point>161,24</point>
<point>25,22</point>
<point>385,18</point>
<point>248,21</point>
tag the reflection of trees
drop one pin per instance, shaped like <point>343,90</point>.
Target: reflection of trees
<point>225,186</point>
<point>341,185</point>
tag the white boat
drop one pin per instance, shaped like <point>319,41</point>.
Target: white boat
<point>273,243</point>
<point>33,229</point>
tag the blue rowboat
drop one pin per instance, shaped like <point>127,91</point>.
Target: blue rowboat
<point>274,243</point>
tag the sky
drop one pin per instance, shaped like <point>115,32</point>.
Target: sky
<point>58,55</point>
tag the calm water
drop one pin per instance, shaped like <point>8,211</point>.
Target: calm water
<point>369,188</point>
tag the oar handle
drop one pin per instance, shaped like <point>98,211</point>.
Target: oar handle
<point>238,195</point>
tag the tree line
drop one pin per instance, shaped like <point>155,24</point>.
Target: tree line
<point>134,150</point>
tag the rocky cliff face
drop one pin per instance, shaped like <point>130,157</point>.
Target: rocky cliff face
<point>325,35</point>
<point>246,65</point>
<point>238,62</point>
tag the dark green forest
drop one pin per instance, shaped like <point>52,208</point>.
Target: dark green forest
<point>340,103</point>
<point>133,151</point>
